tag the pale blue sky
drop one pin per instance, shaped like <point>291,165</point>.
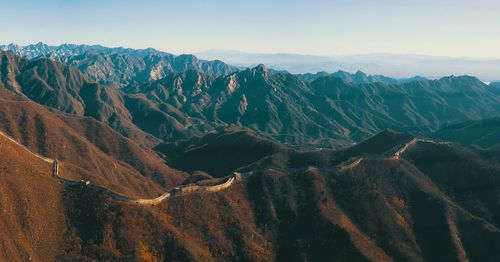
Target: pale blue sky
<point>335,27</point>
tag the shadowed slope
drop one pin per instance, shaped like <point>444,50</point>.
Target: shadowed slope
<point>231,149</point>
<point>482,133</point>
<point>45,133</point>
<point>58,86</point>
<point>380,209</point>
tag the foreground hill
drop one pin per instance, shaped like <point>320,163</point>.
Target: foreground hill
<point>357,204</point>
<point>89,149</point>
<point>389,198</point>
<point>32,217</point>
<point>231,149</point>
<point>261,138</point>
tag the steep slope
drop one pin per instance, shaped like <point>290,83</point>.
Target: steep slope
<point>272,103</point>
<point>482,133</point>
<point>32,216</point>
<point>415,106</point>
<point>66,89</point>
<point>116,163</point>
<point>329,112</point>
<point>120,66</point>
<point>232,149</point>
<point>379,208</point>
<point>435,201</point>
<point>108,141</point>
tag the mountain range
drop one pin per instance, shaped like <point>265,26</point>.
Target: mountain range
<point>480,133</point>
<point>393,65</point>
<point>216,163</point>
<point>121,66</point>
<point>327,112</point>
<point>360,78</point>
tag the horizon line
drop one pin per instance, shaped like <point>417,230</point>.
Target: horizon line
<point>261,53</point>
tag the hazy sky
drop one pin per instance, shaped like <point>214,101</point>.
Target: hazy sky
<point>326,27</point>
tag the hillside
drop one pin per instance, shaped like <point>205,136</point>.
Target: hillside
<point>121,66</point>
<point>329,112</point>
<point>88,149</point>
<point>295,178</point>
<point>482,133</point>
<point>415,106</point>
<point>345,131</point>
<point>231,149</point>
<point>32,216</point>
<point>358,203</point>
<point>376,209</point>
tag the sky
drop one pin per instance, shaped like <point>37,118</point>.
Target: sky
<point>455,28</point>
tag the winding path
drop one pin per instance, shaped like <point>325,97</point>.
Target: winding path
<point>397,155</point>
<point>351,165</point>
<point>178,191</point>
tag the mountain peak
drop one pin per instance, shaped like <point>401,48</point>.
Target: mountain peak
<point>261,67</point>
<point>260,70</point>
<point>462,78</point>
<point>359,73</point>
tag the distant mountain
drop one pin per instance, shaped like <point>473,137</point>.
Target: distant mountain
<point>328,112</point>
<point>121,66</point>
<point>360,78</point>
<point>495,84</point>
<point>64,88</point>
<point>272,103</point>
<point>41,49</point>
<point>393,65</point>
<point>124,70</point>
<point>270,167</point>
<point>481,133</point>
<point>414,106</point>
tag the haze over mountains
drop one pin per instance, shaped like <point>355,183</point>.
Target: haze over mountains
<point>318,174</point>
<point>393,65</point>
<point>329,111</point>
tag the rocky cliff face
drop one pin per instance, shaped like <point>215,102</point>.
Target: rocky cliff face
<point>391,197</point>
<point>328,112</point>
<point>120,66</point>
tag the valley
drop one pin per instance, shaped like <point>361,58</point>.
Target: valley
<point>116,154</point>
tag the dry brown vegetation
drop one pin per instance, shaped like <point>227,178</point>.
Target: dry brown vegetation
<point>436,202</point>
